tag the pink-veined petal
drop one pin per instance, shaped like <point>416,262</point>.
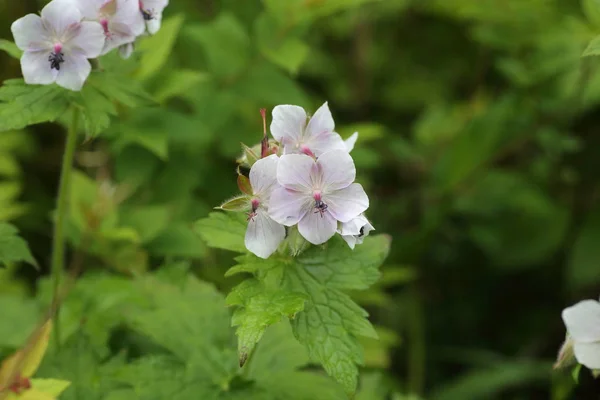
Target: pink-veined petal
<point>36,68</point>
<point>119,34</point>
<point>288,124</point>
<point>588,354</point>
<point>73,72</point>
<point>89,8</point>
<point>351,141</point>
<point>263,235</point>
<point>129,14</point>
<point>583,321</point>
<point>295,172</point>
<point>317,228</point>
<point>288,206</point>
<point>61,15</point>
<point>346,204</point>
<point>325,142</point>
<point>89,40</point>
<point>30,33</point>
<point>263,176</point>
<point>338,170</point>
<point>321,122</point>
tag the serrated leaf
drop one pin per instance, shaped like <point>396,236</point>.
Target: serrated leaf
<point>223,231</point>
<point>591,9</point>
<point>10,48</point>
<point>121,88</point>
<point>331,322</point>
<point>52,387</point>
<point>22,105</point>
<point>157,49</point>
<point>179,82</point>
<point>260,307</point>
<point>593,49</point>
<point>12,247</point>
<point>97,110</point>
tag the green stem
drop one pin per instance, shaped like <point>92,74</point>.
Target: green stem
<point>62,202</point>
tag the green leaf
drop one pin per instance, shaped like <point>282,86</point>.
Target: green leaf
<point>121,89</point>
<point>178,240</point>
<point>491,382</point>
<point>10,48</point>
<point>148,221</point>
<point>225,43</point>
<point>593,49</point>
<point>259,308</point>
<point>223,231</point>
<point>23,314</point>
<point>179,82</point>
<point>584,267</point>
<point>97,110</point>
<point>157,49</point>
<point>287,52</point>
<point>22,105</point>
<point>591,9</point>
<point>331,322</point>
<point>12,247</point>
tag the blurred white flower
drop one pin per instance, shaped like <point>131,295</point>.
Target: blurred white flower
<point>290,128</point>
<point>126,50</point>
<point>583,325</point>
<point>355,230</point>
<point>351,141</point>
<point>316,194</point>
<point>152,13</point>
<point>263,235</point>
<point>57,45</point>
<point>120,20</point>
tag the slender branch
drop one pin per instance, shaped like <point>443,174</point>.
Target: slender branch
<point>62,202</point>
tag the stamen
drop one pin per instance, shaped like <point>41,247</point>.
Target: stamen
<point>148,14</point>
<point>305,150</point>
<point>56,59</point>
<point>362,232</point>
<point>255,203</point>
<point>320,206</point>
<point>104,23</point>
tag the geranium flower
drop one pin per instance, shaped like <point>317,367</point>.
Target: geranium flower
<point>57,45</point>
<point>355,230</point>
<point>583,325</point>
<point>316,194</point>
<point>315,137</point>
<point>263,235</point>
<point>152,13</point>
<point>120,20</point>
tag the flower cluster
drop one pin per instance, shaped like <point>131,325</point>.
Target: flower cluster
<point>583,339</point>
<point>57,45</point>
<point>304,178</point>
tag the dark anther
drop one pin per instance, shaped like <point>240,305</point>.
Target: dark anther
<point>55,60</point>
<point>320,207</point>
<point>148,15</point>
<point>362,232</point>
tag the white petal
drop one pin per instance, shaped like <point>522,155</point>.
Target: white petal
<point>351,240</point>
<point>89,40</point>
<point>583,321</point>
<point>295,171</point>
<point>61,15</point>
<point>36,68</point>
<point>119,34</point>
<point>154,24</point>
<point>588,354</point>
<point>353,226</point>
<point>126,50</point>
<point>287,206</point>
<point>347,203</point>
<point>288,124</point>
<point>321,122</point>
<point>338,170</point>
<point>317,228</point>
<point>325,142</point>
<point>263,176</point>
<point>73,72</point>
<point>30,34</point>
<point>89,8</point>
<point>128,13</point>
<point>263,235</point>
<point>351,141</point>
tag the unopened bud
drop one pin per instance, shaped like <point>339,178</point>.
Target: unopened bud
<point>566,355</point>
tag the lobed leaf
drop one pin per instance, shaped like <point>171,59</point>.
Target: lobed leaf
<point>223,231</point>
<point>12,247</point>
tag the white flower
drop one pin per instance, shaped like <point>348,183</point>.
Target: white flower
<point>152,13</point>
<point>263,235</point>
<point>57,45</point>
<point>316,194</point>
<point>355,230</point>
<point>120,19</point>
<point>290,128</point>
<point>583,324</point>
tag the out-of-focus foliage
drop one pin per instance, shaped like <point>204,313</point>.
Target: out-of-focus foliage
<point>478,144</point>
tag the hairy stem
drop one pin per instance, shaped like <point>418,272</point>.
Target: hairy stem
<point>62,202</point>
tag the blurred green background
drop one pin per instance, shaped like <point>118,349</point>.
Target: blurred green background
<point>478,146</point>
